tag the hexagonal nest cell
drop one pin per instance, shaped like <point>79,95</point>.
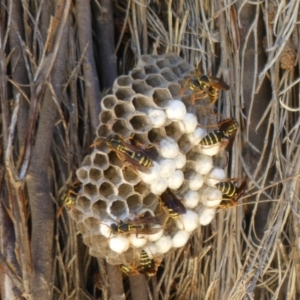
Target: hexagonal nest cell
<point>152,156</point>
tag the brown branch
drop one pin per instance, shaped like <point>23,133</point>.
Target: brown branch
<point>92,89</point>
<point>115,283</point>
<point>107,61</point>
<point>138,287</point>
<point>19,74</point>
<point>37,178</point>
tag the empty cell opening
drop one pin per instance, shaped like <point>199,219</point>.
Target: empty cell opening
<point>151,69</point>
<point>184,67</point>
<point>100,161</point>
<point>125,190</point>
<point>99,208</point>
<point>156,134</point>
<point>163,63</point>
<point>173,131</point>
<point>82,174</point>
<point>101,145</point>
<point>184,144</point>
<point>174,89</point>
<point>115,160</point>
<point>161,97</point>
<point>141,188</point>
<point>142,103</point>
<point>141,140</point>
<point>156,81</point>
<point>76,214</point>
<point>80,227</point>
<point>103,130</point>
<point>134,202</point>
<point>141,87</point>
<point>95,174</point>
<point>122,128</point>
<point>113,175</point>
<point>150,200</point>
<point>173,59</point>
<point>91,223</point>
<point>124,110</point>
<point>86,161</point>
<point>148,59</point>
<point>124,81</point>
<point>138,74</point>
<point>140,124</point>
<point>99,241</point>
<point>118,208</point>
<point>130,175</point>
<point>83,202</point>
<point>109,102</point>
<point>177,71</point>
<point>124,93</point>
<point>106,190</point>
<point>90,190</point>
<point>106,116</point>
<point>169,75</point>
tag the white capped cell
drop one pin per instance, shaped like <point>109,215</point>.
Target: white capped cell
<point>137,240</point>
<point>167,167</point>
<point>159,185</point>
<point>164,244</point>
<point>215,176</point>
<point>153,175</point>
<point>181,126</point>
<point>211,197</point>
<point>191,199</point>
<point>211,150</point>
<point>175,110</point>
<point>180,160</point>
<point>206,215</point>
<point>190,123</point>
<point>195,181</point>
<point>105,229</point>
<point>199,133</point>
<point>118,243</point>
<point>168,148</point>
<point>188,221</point>
<point>203,164</point>
<point>157,117</point>
<point>175,180</point>
<point>180,238</point>
<point>151,250</point>
<point>155,236</point>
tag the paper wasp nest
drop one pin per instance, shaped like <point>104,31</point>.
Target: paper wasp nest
<point>147,108</point>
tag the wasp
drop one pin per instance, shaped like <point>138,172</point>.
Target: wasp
<point>134,155</point>
<point>139,226</point>
<point>173,204</point>
<point>207,85</point>
<point>227,130</point>
<point>147,266</point>
<point>69,197</point>
<point>231,192</point>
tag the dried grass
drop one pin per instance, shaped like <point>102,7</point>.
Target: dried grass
<point>248,252</point>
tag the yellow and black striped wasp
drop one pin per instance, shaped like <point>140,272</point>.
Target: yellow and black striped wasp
<point>205,85</point>
<point>225,133</point>
<point>144,225</point>
<point>135,156</point>
<point>147,266</point>
<point>173,204</point>
<point>231,192</point>
<point>69,198</point>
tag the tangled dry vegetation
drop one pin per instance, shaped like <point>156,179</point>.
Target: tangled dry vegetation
<point>54,61</point>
